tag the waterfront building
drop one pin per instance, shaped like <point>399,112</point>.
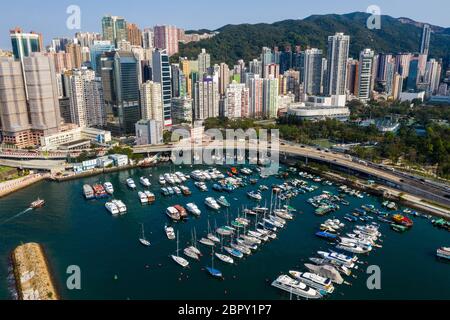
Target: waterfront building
<point>162,74</point>
<point>121,91</point>
<point>338,50</point>
<point>151,101</point>
<point>149,132</point>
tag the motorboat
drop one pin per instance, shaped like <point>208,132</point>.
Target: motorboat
<point>223,202</point>
<point>145,182</point>
<point>131,184</point>
<point>212,203</point>
<point>121,206</point>
<point>295,287</point>
<point>143,198</point>
<point>170,232</point>
<point>109,188</point>
<point>112,208</point>
<point>193,209</point>
<point>39,203</point>
<point>314,281</point>
<point>173,214</point>
<point>202,186</point>
<point>254,195</point>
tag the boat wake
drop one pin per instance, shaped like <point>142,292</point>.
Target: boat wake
<point>16,216</point>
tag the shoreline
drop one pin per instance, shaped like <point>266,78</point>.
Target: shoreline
<point>32,273</point>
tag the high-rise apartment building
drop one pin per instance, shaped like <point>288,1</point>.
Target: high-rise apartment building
<point>312,71</point>
<point>162,74</point>
<point>114,29</point>
<point>338,50</point>
<point>365,74</point>
<point>134,34</point>
<point>425,41</point>
<point>206,100</point>
<point>166,38</point>
<point>151,101</point>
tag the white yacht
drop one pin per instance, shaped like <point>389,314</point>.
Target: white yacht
<point>297,288</point>
<point>145,182</point>
<point>109,188</point>
<point>121,206</point>
<point>212,203</point>
<point>170,232</point>
<point>143,197</point>
<point>314,281</point>
<point>131,184</point>
<point>112,208</point>
<point>193,209</point>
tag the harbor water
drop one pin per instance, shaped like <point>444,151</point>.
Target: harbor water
<point>114,265</point>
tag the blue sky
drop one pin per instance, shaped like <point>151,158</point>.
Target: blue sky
<point>49,16</point>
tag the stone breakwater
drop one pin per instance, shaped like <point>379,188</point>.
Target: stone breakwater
<point>32,274</point>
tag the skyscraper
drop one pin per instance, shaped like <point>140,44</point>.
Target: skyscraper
<point>114,29</point>
<point>206,100</point>
<point>270,97</point>
<point>97,50</point>
<point>151,101</point>
<point>162,74</point>
<point>134,34</point>
<point>237,100</point>
<point>121,91</point>
<point>13,105</point>
<point>43,93</point>
<point>85,93</point>
<point>204,63</point>
<point>312,71</point>
<point>166,38</point>
<point>365,74</point>
<point>148,38</point>
<point>224,78</point>
<point>425,41</point>
<point>338,50</point>
<point>23,44</point>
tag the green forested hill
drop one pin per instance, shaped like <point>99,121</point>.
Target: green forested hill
<point>245,41</point>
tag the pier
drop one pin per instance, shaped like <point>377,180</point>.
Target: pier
<point>32,274</point>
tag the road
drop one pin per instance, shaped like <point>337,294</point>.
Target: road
<point>425,189</point>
